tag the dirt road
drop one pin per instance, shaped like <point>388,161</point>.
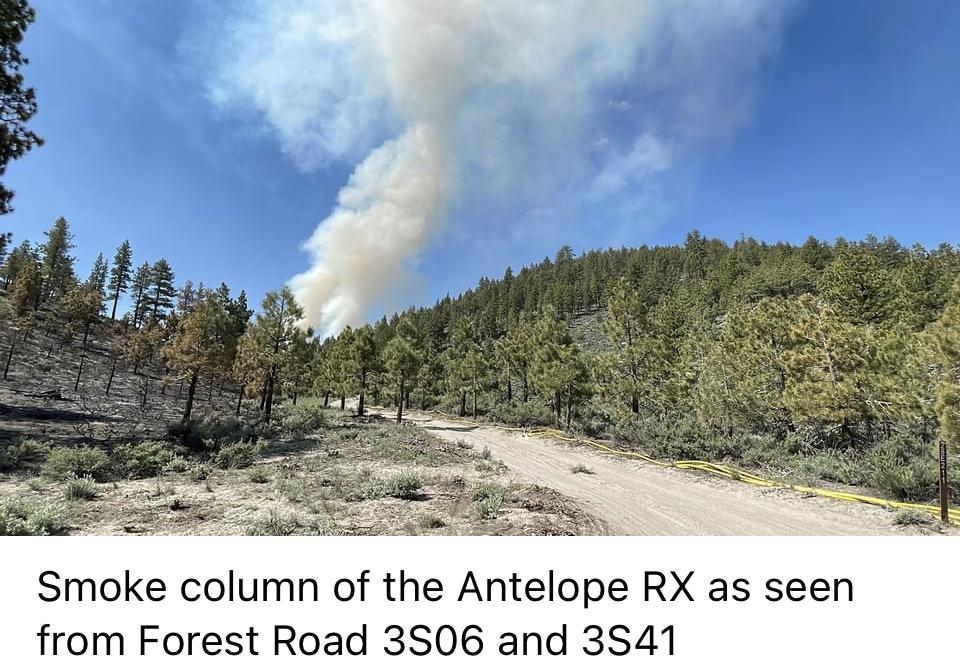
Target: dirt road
<point>638,499</point>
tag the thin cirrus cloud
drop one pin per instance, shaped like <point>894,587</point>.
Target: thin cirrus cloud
<point>441,105</point>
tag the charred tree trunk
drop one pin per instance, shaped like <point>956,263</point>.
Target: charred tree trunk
<point>240,398</point>
<point>363,389</point>
<point>326,398</point>
<point>268,405</point>
<point>526,388</point>
<point>191,393</point>
<point>343,402</point>
<point>400,401</point>
<point>463,404</point>
<point>76,384</point>
<point>635,404</point>
<point>6,366</point>
<point>113,371</point>
<point>263,393</point>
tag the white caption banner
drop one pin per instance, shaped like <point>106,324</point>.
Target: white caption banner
<point>902,589</point>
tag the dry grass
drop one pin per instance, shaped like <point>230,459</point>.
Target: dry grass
<point>352,476</point>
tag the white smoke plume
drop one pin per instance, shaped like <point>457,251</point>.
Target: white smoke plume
<point>443,101</point>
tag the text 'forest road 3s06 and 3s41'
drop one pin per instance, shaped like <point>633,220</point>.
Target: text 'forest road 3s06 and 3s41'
<point>653,589</point>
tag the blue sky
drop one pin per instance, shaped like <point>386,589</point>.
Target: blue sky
<point>851,128</point>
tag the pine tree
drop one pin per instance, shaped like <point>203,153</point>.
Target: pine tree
<point>141,299</point>
<point>82,305</point>
<point>58,274</point>
<point>946,340</point>
<point>18,104</point>
<point>269,340</point>
<point>24,301</point>
<point>465,366</point>
<point>20,254</point>
<point>199,346</point>
<point>97,280</point>
<point>638,351</point>
<point>140,345</point>
<point>858,286</point>
<point>745,378</point>
<point>186,298</point>
<point>364,361</point>
<point>402,357</point>
<point>120,276</point>
<point>831,362</point>
<point>161,292</point>
<point>558,370</point>
<point>514,350</point>
<point>298,363</point>
<point>6,238</point>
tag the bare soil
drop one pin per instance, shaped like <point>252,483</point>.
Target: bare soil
<point>633,498</point>
<point>328,483</point>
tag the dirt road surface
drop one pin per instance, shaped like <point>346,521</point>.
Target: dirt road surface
<point>634,498</point>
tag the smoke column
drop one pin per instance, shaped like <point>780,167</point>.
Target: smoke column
<point>441,99</point>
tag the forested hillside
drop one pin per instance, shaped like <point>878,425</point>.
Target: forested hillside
<point>840,360</point>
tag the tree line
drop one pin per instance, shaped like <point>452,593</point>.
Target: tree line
<point>851,339</point>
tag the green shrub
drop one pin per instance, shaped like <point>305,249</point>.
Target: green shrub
<point>292,490</point>
<point>405,485</point>
<point>22,452</point>
<point>488,499</point>
<point>178,464</point>
<point>522,414</point>
<point>431,522</point>
<point>144,459</point>
<point>210,433</point>
<point>832,466</point>
<point>259,474</point>
<point>237,455</point>
<point>63,464</point>
<point>916,517</point>
<point>199,471</point>
<point>302,420</point>
<point>80,488</point>
<point>274,525</point>
<point>490,467</point>
<point>766,451</point>
<point>680,438</point>
<point>20,517</point>
<point>904,468</point>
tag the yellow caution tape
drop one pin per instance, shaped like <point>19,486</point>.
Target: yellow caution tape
<point>717,469</point>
